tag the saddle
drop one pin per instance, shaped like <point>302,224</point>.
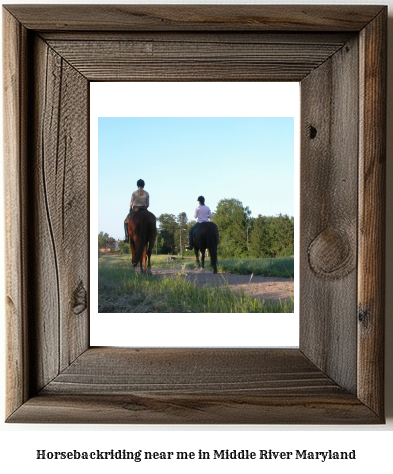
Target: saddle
<point>138,208</point>
<point>132,211</point>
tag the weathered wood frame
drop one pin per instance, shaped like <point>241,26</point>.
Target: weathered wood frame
<point>338,54</point>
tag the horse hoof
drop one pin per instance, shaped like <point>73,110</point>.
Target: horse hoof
<point>215,271</point>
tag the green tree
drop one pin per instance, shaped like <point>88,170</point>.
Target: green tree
<point>181,232</point>
<point>124,247</point>
<point>259,245</point>
<point>159,244</point>
<point>233,221</point>
<point>103,240</point>
<point>182,219</point>
<point>272,236</point>
<point>168,226</point>
<point>283,242</point>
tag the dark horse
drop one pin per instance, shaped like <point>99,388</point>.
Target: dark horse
<point>142,234</point>
<point>206,237</point>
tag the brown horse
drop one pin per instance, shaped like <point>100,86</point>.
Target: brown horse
<point>142,232</point>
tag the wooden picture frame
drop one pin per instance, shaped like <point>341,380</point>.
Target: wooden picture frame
<point>338,54</point>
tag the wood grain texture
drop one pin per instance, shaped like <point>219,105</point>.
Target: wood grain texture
<point>190,371</point>
<point>14,41</point>
<point>60,180</point>
<point>328,242</point>
<point>372,190</point>
<point>193,386</point>
<point>53,375</point>
<point>201,37</point>
<point>187,59</point>
<point>195,17</point>
<point>239,409</point>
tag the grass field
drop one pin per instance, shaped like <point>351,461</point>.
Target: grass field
<point>279,267</point>
<point>123,291</point>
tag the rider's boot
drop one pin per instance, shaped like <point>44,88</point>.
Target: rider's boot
<point>189,247</point>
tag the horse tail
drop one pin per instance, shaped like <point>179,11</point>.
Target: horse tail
<point>141,240</point>
<point>213,243</point>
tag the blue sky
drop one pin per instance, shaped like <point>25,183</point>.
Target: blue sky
<point>179,158</point>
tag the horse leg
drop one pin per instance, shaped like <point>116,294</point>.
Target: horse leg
<point>203,257</point>
<point>141,262</point>
<point>151,244</point>
<point>133,254</point>
<point>144,259</point>
<point>197,256</point>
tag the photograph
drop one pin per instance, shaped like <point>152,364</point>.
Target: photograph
<point>211,216</point>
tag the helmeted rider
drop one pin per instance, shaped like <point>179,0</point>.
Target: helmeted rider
<point>202,214</point>
<point>139,201</point>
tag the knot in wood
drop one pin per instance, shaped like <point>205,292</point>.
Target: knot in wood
<point>313,132</point>
<point>363,316</point>
<point>80,299</point>
<point>330,254</point>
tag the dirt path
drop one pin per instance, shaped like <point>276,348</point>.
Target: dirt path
<point>264,288</point>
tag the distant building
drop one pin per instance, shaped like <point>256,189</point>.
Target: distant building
<point>111,245</point>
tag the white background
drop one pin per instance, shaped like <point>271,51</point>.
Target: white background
<point>18,443</point>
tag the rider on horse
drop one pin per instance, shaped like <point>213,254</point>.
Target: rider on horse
<point>139,201</point>
<point>202,214</point>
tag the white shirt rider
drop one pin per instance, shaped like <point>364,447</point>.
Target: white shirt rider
<point>202,213</point>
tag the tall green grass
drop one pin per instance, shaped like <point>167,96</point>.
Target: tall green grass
<point>278,267</point>
<point>123,291</point>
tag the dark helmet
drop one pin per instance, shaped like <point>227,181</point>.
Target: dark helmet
<point>140,183</point>
<point>201,199</point>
